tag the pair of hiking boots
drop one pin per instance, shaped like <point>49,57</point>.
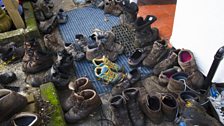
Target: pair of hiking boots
<point>108,71</point>
<point>126,109</point>
<point>82,101</point>
<point>105,45</point>
<point>11,114</point>
<point>158,106</point>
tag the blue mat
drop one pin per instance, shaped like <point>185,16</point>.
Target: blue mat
<point>84,20</point>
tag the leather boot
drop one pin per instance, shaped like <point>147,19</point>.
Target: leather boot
<point>157,53</point>
<point>169,107</point>
<point>49,25</point>
<point>7,77</point>
<point>133,76</point>
<point>46,10</point>
<point>80,84</point>
<point>167,63</point>
<point>129,15</point>
<point>11,53</point>
<point>89,101</point>
<point>151,106</point>
<point>26,119</point>
<point>165,75</point>
<point>6,22</point>
<point>93,52</point>
<point>52,43</point>
<point>111,7</point>
<point>119,110</point>
<point>144,34</point>
<point>135,114</point>
<point>34,59</point>
<point>10,103</point>
<point>117,89</point>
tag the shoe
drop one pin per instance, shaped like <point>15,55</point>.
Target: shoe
<point>137,57</point>
<point>7,77</point>
<point>165,75</point>
<point>10,103</point>
<point>35,60</point>
<point>89,103</point>
<point>25,119</point>
<point>46,11</point>
<point>11,53</point>
<point>39,14</point>
<point>6,21</point>
<point>49,25</point>
<point>169,107</point>
<point>110,77</point>
<point>135,114</point>
<point>52,43</point>
<point>117,89</point>
<point>81,40</point>
<point>76,53</point>
<point>196,79</point>
<point>93,52</point>
<point>80,84</point>
<point>143,28</point>
<point>133,76</point>
<point>105,61</point>
<point>167,63</point>
<point>151,106</point>
<point>119,110</point>
<point>159,50</point>
<point>184,96</point>
<point>110,7</point>
<point>49,3</point>
<point>129,15</point>
<point>62,17</point>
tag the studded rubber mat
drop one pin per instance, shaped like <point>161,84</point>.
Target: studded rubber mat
<point>84,20</point>
<point>125,37</point>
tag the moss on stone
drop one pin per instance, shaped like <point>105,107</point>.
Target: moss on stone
<point>49,93</point>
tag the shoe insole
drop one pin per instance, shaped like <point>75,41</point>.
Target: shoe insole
<point>185,57</point>
<point>24,121</point>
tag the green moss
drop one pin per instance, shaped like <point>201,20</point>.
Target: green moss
<point>49,93</point>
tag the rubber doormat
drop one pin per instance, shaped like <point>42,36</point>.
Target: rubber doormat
<point>84,20</point>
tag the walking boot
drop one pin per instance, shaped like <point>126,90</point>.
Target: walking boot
<point>133,76</point>
<point>10,103</point>
<point>46,11</point>
<point>151,106</point>
<point>117,89</point>
<point>11,54</point>
<point>49,25</point>
<point>196,79</point>
<point>82,41</point>
<point>137,57</point>
<point>26,119</point>
<point>34,59</point>
<point>74,51</point>
<point>52,43</point>
<point>62,17</point>
<point>167,63</point>
<point>111,7</point>
<point>135,114</point>
<point>107,75</point>
<point>165,75</point>
<point>157,53</point>
<point>152,84</point>
<point>187,95</point>
<point>88,103</point>
<point>39,14</point>
<point>145,35</point>
<point>80,84</point>
<point>7,77</point>
<point>105,61</point>
<point>169,107</point>
<point>6,22</point>
<point>93,52</point>
<point>119,110</point>
<point>129,15</point>
<point>49,3</point>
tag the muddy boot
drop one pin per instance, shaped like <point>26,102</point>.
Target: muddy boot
<point>49,25</point>
<point>157,53</point>
<point>165,75</point>
<point>80,84</point>
<point>10,103</point>
<point>151,106</point>
<point>135,114</point>
<point>111,7</point>
<point>74,51</point>
<point>46,11</point>
<point>26,119</point>
<point>119,110</point>
<point>52,43</point>
<point>187,95</point>
<point>152,84</point>
<point>49,3</point>
<point>169,107</point>
<point>62,17</point>
<point>39,14</point>
<point>89,103</point>
<point>137,57</point>
<point>34,59</point>
<point>129,15</point>
<point>196,79</point>
<point>145,35</point>
<point>11,54</point>
<point>7,77</point>
<point>133,76</point>
<point>81,40</point>
<point>167,63</point>
<point>93,52</point>
<point>117,89</point>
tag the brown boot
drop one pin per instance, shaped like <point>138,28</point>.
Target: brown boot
<point>158,51</point>
<point>169,107</point>
<point>80,84</point>
<point>186,95</point>
<point>71,101</point>
<point>10,103</point>
<point>165,76</point>
<point>11,53</point>
<point>117,89</point>
<point>196,79</point>
<point>120,112</point>
<point>34,60</point>
<point>88,103</point>
<point>26,119</point>
<point>151,106</point>
<point>135,114</point>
